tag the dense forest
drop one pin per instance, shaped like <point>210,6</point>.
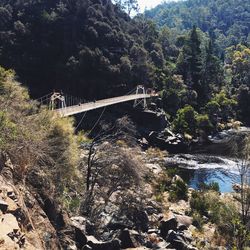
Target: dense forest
<point>94,49</point>
<point>72,45</point>
<point>228,21</point>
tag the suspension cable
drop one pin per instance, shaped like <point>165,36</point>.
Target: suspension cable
<point>79,123</point>
<point>98,120</point>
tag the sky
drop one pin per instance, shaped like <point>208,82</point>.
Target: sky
<point>148,4</point>
<point>151,3</point>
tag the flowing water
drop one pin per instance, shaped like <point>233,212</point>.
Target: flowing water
<point>200,168</point>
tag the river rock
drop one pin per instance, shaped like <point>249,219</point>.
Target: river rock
<point>236,187</point>
<point>8,230</point>
<point>12,205</point>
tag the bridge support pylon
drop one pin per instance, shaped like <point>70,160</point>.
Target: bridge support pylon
<point>56,96</point>
<point>140,90</point>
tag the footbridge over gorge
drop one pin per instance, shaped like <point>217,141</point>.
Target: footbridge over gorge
<point>67,105</point>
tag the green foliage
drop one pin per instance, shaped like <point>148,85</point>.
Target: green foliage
<point>82,42</point>
<point>8,130</point>
<point>238,58</point>
<point>33,138</point>
<point>185,121</point>
<point>203,123</point>
<point>214,186</point>
<point>70,203</point>
<point>214,17</point>
<point>243,99</point>
<point>198,203</point>
<point>178,191</point>
<point>226,104</point>
<point>209,204</point>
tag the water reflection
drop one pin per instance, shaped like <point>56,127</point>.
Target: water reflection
<point>194,177</point>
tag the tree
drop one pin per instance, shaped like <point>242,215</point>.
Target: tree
<point>189,63</point>
<point>212,74</point>
<point>242,151</point>
<point>109,167</point>
<point>128,6</point>
<point>243,99</point>
<point>185,121</point>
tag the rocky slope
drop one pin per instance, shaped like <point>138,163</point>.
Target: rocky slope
<point>31,219</point>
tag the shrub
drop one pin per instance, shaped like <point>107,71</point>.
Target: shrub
<point>218,211</point>
<point>214,186</point>
<point>178,191</point>
<point>185,121</point>
<point>33,138</point>
<point>198,203</point>
<point>204,124</point>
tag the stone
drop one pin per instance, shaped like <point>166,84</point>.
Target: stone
<point>3,205</point>
<point>182,227</point>
<point>87,247</point>
<point>154,168</point>
<point>12,195</point>
<point>236,187</point>
<point>100,245</point>
<point>78,222</point>
<point>129,239</point>
<point>12,206</point>
<point>178,240</point>
<point>9,229</point>
<point>166,225</point>
<point>176,178</point>
<point>162,245</point>
<point>184,220</point>
<point>152,231</point>
<point>80,238</point>
<point>141,220</point>
<point>120,223</point>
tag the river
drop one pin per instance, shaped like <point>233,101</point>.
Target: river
<point>201,168</point>
<point>209,166</point>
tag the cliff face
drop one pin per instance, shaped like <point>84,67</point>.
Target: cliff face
<point>24,224</point>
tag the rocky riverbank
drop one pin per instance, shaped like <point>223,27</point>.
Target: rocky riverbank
<point>32,219</point>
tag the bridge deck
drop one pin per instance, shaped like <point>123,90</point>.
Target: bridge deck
<point>76,109</point>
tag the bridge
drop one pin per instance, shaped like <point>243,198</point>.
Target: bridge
<point>67,106</point>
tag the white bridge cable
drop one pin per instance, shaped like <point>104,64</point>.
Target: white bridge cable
<point>98,120</point>
<point>80,122</point>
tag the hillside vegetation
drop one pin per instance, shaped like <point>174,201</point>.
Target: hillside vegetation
<point>72,45</point>
<point>228,21</point>
<point>93,49</point>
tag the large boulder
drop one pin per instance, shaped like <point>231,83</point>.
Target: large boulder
<point>184,220</point>
<point>141,220</point>
<point>166,225</point>
<point>179,240</point>
<point>121,222</point>
<point>130,239</point>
